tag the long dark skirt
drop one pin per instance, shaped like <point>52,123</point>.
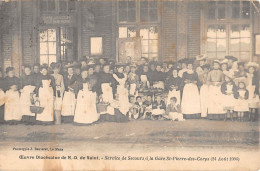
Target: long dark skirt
<point>216,116</point>
<point>2,111</point>
<point>67,119</point>
<point>45,122</point>
<point>192,116</point>
<point>29,120</point>
<point>118,117</point>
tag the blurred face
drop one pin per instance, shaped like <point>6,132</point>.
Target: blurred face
<point>158,68</point>
<point>143,61</point>
<point>216,65</point>
<point>190,66</point>
<point>84,74</point>
<point>10,73</point>
<point>128,59</point>
<point>170,66</point>
<point>120,69</point>
<point>164,65</point>
<point>145,69</point>
<point>241,85</point>
<point>202,62</point>
<point>149,98</point>
<point>44,71</point>
<point>56,70</point>
<point>91,71</point>
<point>97,68</point>
<point>127,69</point>
<point>224,67</point>
<point>83,64</point>
<point>183,65</point>
<point>102,61</point>
<point>132,99</point>
<point>175,73</point>
<point>70,71</point>
<point>251,70</point>
<point>173,102</point>
<point>139,100</point>
<point>152,67</point>
<point>106,69</point>
<point>241,68</point>
<point>133,69</point>
<point>36,69</point>
<point>159,98</point>
<point>77,71</point>
<point>27,71</point>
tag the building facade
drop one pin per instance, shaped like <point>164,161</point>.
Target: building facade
<point>46,31</point>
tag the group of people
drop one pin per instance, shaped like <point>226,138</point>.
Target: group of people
<point>101,90</point>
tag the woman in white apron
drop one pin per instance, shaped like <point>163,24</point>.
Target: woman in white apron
<point>253,88</point>
<point>69,99</point>
<point>190,99</point>
<point>242,95</point>
<point>86,111</point>
<point>174,84</point>
<point>204,91</point>
<point>215,80</point>
<point>12,100</point>
<point>27,88</point>
<point>59,84</point>
<point>121,90</point>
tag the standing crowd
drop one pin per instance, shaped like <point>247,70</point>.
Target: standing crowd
<point>101,90</point>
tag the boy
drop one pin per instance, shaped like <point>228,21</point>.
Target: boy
<point>158,108</point>
<point>173,110</point>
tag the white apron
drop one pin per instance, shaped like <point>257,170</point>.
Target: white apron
<point>86,111</point>
<point>215,100</point>
<point>47,102</point>
<point>25,100</point>
<point>229,100</point>
<point>123,99</point>
<point>68,104</point>
<point>241,104</point>
<point>107,93</point>
<point>176,94</point>
<point>132,89</point>
<point>2,97</point>
<point>190,99</point>
<point>253,101</point>
<point>204,97</point>
<point>12,106</point>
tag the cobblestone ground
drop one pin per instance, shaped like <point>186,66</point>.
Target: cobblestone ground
<point>199,133</point>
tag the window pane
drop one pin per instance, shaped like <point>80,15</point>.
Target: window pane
<point>221,55</point>
<point>145,46</point>
<point>144,15</point>
<point>235,31</point>
<point>144,33</point>
<point>132,15</point>
<point>43,36</point>
<point>72,5</point>
<point>245,31</point>
<point>244,56</point>
<point>131,32</point>
<point>234,44</point>
<point>221,13</point>
<point>51,5</point>
<point>236,12</point>
<point>221,32</point>
<point>153,46</point>
<point>43,48</point>
<point>96,46</point>
<point>153,33</point>
<point>235,2</point>
<point>131,4</point>
<point>52,47</point>
<point>245,44</point>
<point>221,2</point>
<point>153,4</point>
<point>51,35</point>
<point>153,15</point>
<point>44,59</point>
<point>122,15</point>
<point>43,5</point>
<point>221,45</point>
<point>144,4</point>
<point>52,58</point>
<point>63,5</point>
<point>122,32</point>
<point>212,44</point>
<point>245,12</point>
<point>211,33</point>
<point>212,13</point>
<point>122,4</point>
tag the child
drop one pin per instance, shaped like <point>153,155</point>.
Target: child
<point>132,110</point>
<point>173,110</point>
<point>148,107</point>
<point>242,99</point>
<point>12,103</point>
<point>228,89</point>
<point>133,81</point>
<point>144,78</point>
<point>69,100</point>
<point>27,88</point>
<point>253,88</point>
<point>139,107</point>
<point>158,108</point>
<point>59,83</point>
<point>174,84</point>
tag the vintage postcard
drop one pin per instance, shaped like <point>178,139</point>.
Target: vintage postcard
<point>129,85</point>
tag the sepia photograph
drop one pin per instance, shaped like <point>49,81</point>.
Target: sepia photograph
<point>129,85</point>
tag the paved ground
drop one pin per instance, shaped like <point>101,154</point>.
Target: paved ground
<point>199,133</point>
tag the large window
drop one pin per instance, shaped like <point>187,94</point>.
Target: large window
<point>148,11</point>
<point>228,29</point>
<point>149,43</point>
<point>127,11</point>
<point>61,5</point>
<point>48,53</point>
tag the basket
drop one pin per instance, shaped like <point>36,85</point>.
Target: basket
<point>37,109</point>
